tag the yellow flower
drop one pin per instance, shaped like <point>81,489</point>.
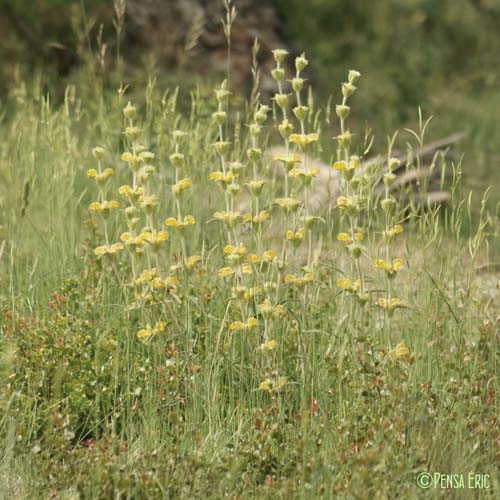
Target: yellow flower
<point>229,218</point>
<point>147,333</point>
<point>157,238</point>
<point>279,311</point>
<point>224,272</point>
<point>100,177</point>
<point>148,202</point>
<point>295,238</point>
<point>180,226</point>
<point>269,345</point>
<point>269,256</point>
<point>304,176</point>
<point>237,326</point>
<point>239,250</point>
<point>104,208</point>
<point>92,172</point>
<point>108,250</point>
<point>390,233</point>
<point>235,254</point>
<point>303,140</point>
<point>134,161</point>
<point>299,281</point>
<point>390,304</point>
<point>266,385</point>
<point>272,386</point>
<point>145,237</point>
<point>160,326</point>
<point>128,192</point>
<point>126,237</point>
<point>340,165</point>
<point>170,283</point>
<point>344,238</point>
<point>342,201</point>
<point>224,179</point>
<point>253,258</point>
<point>158,283</point>
<point>146,276</point>
<point>289,161</point>
<point>288,158</point>
<point>252,323</point>
<point>136,241</point>
<point>266,308</point>
<point>348,285</point>
<point>401,352</point>
<point>192,261</point>
<point>343,166</point>
<point>288,204</point>
<point>391,268</point>
<point>246,268</point>
<point>245,294</point>
<point>345,202</point>
<point>263,216</point>
<point>349,203</point>
<point>181,186</point>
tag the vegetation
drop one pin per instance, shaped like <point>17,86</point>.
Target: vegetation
<point>178,320</point>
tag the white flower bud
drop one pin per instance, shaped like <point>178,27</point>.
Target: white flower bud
<point>129,111</point>
<point>389,179</point>
<point>348,89</point>
<point>300,112</point>
<point>297,84</point>
<point>301,62</point>
<point>279,55</point>
<point>255,129</point>
<point>278,74</point>
<point>177,160</point>
<point>281,100</point>
<point>354,76</point>
<point>342,111</point>
<point>219,117</point>
<point>98,152</point>
<point>394,164</point>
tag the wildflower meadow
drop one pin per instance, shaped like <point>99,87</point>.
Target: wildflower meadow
<point>181,318</point>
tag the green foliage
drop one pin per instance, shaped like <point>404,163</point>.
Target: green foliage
<point>410,50</point>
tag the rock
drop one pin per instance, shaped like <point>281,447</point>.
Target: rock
<point>189,34</point>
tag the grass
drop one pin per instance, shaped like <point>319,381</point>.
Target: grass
<point>285,354</point>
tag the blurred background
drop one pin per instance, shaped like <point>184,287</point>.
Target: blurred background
<point>441,55</point>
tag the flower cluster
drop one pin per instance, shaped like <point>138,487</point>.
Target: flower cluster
<point>266,252</point>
